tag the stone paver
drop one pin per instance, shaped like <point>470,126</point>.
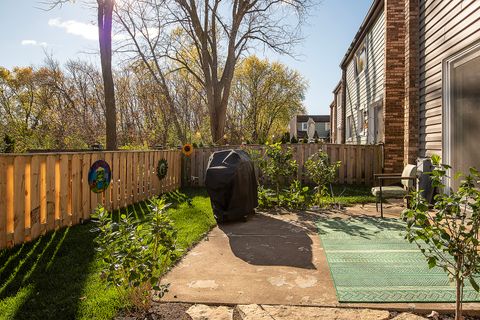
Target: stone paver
<point>251,312</point>
<point>204,312</point>
<point>316,313</point>
<point>408,316</point>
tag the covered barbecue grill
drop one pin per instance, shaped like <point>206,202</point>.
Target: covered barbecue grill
<point>231,185</point>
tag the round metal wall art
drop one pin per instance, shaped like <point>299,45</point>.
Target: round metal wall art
<point>99,176</point>
<point>162,168</point>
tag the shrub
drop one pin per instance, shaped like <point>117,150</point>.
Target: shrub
<point>266,198</point>
<point>448,236</point>
<point>322,173</point>
<point>296,196</point>
<point>277,164</point>
<point>293,140</point>
<point>136,254</point>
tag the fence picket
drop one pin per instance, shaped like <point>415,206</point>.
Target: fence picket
<point>85,187</point>
<point>35,205</point>
<point>19,199</point>
<point>3,202</point>
<point>64,187</point>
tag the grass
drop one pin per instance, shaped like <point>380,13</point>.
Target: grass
<point>57,275</point>
<point>348,195</point>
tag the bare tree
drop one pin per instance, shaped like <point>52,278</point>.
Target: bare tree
<point>144,23</point>
<point>104,20</point>
<point>208,37</point>
<point>105,12</point>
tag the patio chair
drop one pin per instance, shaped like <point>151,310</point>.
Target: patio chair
<point>408,179</point>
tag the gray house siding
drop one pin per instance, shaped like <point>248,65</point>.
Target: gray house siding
<point>364,90</point>
<point>446,27</point>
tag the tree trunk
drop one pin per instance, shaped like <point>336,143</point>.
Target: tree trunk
<point>218,116</point>
<point>459,298</point>
<point>105,10</point>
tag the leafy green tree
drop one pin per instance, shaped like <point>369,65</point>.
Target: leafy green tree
<point>265,96</point>
<point>448,234</point>
<point>322,172</point>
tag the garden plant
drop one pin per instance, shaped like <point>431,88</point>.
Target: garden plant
<point>323,174</point>
<point>136,254</point>
<point>277,165</point>
<point>448,234</point>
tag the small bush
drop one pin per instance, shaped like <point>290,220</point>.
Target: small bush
<point>136,254</point>
<point>266,198</point>
<point>296,196</point>
<point>277,165</point>
<point>322,173</point>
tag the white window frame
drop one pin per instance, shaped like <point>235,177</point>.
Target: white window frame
<point>349,126</point>
<point>304,126</point>
<point>449,64</point>
<point>361,48</point>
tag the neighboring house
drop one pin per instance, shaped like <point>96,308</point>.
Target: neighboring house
<point>411,64</point>
<point>336,119</point>
<point>298,126</point>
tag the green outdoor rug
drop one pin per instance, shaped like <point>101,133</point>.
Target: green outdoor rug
<point>370,261</point>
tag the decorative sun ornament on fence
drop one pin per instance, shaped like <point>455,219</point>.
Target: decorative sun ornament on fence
<point>162,168</point>
<point>187,149</point>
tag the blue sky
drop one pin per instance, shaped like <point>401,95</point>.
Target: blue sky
<point>69,32</point>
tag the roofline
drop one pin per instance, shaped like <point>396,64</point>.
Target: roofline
<point>372,14</point>
<point>337,87</point>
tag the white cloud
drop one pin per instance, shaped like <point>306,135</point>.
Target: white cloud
<point>84,30</point>
<point>34,43</point>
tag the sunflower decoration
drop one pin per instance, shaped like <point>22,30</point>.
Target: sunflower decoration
<point>162,169</point>
<point>187,149</point>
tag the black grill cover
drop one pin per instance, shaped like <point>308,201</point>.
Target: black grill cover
<point>231,184</point>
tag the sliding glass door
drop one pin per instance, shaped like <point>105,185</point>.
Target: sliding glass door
<point>463,109</point>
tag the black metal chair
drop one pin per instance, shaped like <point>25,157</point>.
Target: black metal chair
<point>408,178</point>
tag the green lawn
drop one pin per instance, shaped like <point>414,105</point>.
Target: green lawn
<point>351,194</point>
<point>57,275</point>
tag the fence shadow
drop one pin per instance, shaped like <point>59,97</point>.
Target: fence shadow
<point>46,277</point>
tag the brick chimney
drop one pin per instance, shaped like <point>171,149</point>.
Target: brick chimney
<point>394,98</point>
<point>412,98</point>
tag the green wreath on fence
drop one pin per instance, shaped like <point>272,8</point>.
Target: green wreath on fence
<point>162,169</point>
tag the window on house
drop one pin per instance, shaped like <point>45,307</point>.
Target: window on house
<point>365,119</point>
<point>360,121</point>
<point>360,59</point>
<point>349,127</point>
<point>304,126</point>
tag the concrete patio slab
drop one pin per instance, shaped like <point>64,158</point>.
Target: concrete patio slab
<point>273,259</point>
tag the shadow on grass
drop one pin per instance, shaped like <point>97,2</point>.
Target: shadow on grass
<point>44,279</point>
<point>364,227</point>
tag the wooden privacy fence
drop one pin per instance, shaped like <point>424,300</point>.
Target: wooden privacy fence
<point>358,162</point>
<point>41,192</point>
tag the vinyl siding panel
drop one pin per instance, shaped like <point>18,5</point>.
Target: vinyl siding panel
<point>446,27</point>
<point>338,124</point>
<point>367,87</point>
